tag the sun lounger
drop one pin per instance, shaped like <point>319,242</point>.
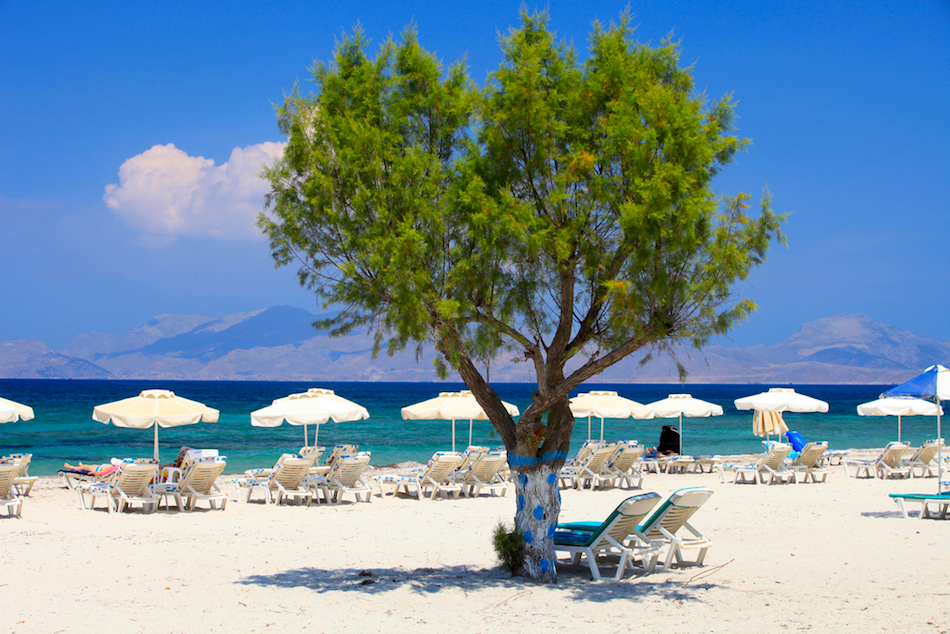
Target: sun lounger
<point>23,482</point>
<point>675,464</point>
<point>808,463</point>
<point>129,485</point>
<point>887,465</point>
<point>335,453</point>
<point>626,466</point>
<point>485,474</point>
<point>590,472</point>
<point>436,475</point>
<point>940,499</point>
<point>9,499</point>
<point>769,465</point>
<point>924,459</point>
<point>72,477</point>
<point>470,456</point>
<point>196,483</point>
<point>345,476</point>
<point>701,463</point>
<point>284,481</point>
<point>618,533</point>
<point>667,521</point>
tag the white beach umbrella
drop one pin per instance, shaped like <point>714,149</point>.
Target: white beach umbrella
<point>776,401</point>
<point>316,406</point>
<point>933,384</point>
<point>899,407</point>
<point>604,404</point>
<point>452,406</point>
<point>11,411</point>
<point>154,408</point>
<point>680,405</point>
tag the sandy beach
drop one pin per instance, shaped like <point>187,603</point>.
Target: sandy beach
<point>834,557</point>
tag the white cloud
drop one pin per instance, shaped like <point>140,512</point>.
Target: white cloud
<point>165,191</point>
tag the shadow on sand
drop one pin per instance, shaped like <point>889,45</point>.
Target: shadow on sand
<point>684,585</point>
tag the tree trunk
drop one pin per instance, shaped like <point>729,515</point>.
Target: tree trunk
<point>538,508</point>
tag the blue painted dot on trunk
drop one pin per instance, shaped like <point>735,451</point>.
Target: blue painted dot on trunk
<point>551,529</point>
<point>544,565</point>
<point>520,502</point>
<point>552,479</point>
<point>528,537</point>
<point>523,480</point>
<point>538,512</point>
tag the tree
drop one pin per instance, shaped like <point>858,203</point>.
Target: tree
<point>563,213</point>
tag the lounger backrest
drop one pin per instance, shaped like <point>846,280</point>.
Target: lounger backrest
<point>22,462</point>
<point>627,458</point>
<point>892,454</point>
<point>348,469</point>
<point>630,513</point>
<point>441,466</point>
<point>470,457</point>
<point>811,454</point>
<point>584,452</point>
<point>774,457</point>
<point>623,520</point>
<point>134,477</point>
<point>618,448</point>
<point>675,512</point>
<point>313,453</point>
<point>926,452</point>
<point>8,471</point>
<point>339,450</point>
<point>291,471</point>
<point>487,467</point>
<point>596,460</point>
<point>202,473</point>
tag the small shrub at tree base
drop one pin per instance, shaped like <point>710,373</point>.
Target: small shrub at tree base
<point>509,547</point>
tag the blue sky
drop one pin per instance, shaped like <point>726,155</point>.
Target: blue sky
<point>846,105</point>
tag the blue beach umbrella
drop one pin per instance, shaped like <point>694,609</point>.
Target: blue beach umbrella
<point>933,384</point>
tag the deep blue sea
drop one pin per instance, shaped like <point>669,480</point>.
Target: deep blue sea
<point>63,429</point>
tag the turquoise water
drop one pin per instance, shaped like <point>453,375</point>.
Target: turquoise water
<point>63,429</point>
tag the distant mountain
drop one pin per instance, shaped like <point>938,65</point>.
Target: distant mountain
<point>97,344</point>
<point>280,343</point>
<point>33,360</point>
<point>271,328</point>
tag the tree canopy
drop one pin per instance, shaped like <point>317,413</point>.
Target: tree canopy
<point>563,213</point>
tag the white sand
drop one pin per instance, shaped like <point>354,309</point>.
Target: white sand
<point>834,557</point>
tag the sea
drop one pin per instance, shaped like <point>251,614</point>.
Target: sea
<point>63,429</point>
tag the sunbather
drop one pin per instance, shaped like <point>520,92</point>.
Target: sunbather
<point>95,469</point>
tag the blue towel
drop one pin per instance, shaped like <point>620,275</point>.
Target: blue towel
<point>795,440</point>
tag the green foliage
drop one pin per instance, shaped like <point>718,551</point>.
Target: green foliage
<point>509,548</point>
<point>564,210</point>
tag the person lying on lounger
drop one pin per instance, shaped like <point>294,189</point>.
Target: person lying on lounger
<point>95,469</point>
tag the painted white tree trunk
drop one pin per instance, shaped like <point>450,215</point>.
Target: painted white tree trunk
<point>538,507</point>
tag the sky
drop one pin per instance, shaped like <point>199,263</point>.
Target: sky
<point>132,134</point>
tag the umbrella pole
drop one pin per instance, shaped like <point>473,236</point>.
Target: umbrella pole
<point>315,433</point>
<point>681,433</point>
<point>156,440</point>
<point>470,432</point>
<point>588,429</point>
<point>453,434</point>
<point>898,428</point>
<point>601,430</point>
<point>939,452</point>
<point>305,435</point>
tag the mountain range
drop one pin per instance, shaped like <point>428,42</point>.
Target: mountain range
<point>281,344</point>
